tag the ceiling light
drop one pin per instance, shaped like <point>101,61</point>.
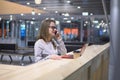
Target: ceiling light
<point>95,21</point>
<point>57,22</point>
<point>33,18</point>
<point>98,26</point>
<point>68,1</point>
<point>104,30</point>
<point>86,22</point>
<point>33,12</point>
<point>68,21</point>
<point>72,17</point>
<point>78,7</point>
<point>21,14</point>
<point>56,11</point>
<point>11,17</point>
<point>85,13</point>
<point>63,14</point>
<point>65,18</point>
<point>91,13</point>
<point>28,3</point>
<point>36,29</point>
<point>67,14</point>
<point>37,1</point>
<point>32,22</point>
<point>39,13</point>
<point>44,8</point>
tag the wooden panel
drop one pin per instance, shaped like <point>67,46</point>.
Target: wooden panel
<point>7,7</point>
<point>105,64</point>
<point>95,69</point>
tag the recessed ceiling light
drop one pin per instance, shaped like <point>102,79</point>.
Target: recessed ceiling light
<point>32,22</point>
<point>39,13</point>
<point>57,22</point>
<point>84,24</point>
<point>78,7</point>
<point>38,1</point>
<point>63,14</point>
<point>28,3</point>
<point>65,18</point>
<point>95,21</point>
<point>33,18</point>
<point>68,21</point>
<point>68,1</point>
<point>56,11</point>
<point>85,13</point>
<point>21,14</point>
<point>44,8</point>
<point>104,30</point>
<point>98,26</point>
<point>67,14</point>
<point>33,12</point>
<point>72,17</point>
<point>11,17</point>
<point>36,29</point>
<point>91,13</point>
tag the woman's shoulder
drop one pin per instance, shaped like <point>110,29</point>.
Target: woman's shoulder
<point>40,41</point>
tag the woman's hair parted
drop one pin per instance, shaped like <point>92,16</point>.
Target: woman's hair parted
<point>44,30</point>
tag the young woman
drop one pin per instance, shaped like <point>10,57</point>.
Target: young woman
<point>49,44</point>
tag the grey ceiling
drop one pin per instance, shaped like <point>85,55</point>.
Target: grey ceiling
<point>91,6</point>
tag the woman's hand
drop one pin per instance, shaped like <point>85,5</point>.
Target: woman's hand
<point>55,57</point>
<point>57,35</point>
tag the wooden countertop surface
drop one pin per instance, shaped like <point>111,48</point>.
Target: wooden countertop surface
<point>50,69</point>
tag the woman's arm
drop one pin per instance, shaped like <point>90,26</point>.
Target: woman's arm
<point>61,48</point>
<point>38,52</point>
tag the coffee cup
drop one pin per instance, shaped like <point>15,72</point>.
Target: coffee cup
<point>76,54</point>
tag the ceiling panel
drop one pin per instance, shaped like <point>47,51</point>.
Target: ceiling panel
<point>91,6</point>
<point>13,8</point>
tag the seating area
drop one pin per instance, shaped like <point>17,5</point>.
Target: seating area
<point>12,50</point>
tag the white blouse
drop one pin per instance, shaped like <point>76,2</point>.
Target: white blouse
<point>43,49</point>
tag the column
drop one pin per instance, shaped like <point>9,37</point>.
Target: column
<point>114,68</point>
<point>3,29</point>
<point>81,30</point>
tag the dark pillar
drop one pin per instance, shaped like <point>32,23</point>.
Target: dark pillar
<point>114,67</point>
<point>81,30</point>
<point>3,26</point>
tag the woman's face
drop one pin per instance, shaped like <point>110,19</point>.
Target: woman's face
<point>52,29</point>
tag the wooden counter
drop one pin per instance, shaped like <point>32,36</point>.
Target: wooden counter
<point>92,65</point>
